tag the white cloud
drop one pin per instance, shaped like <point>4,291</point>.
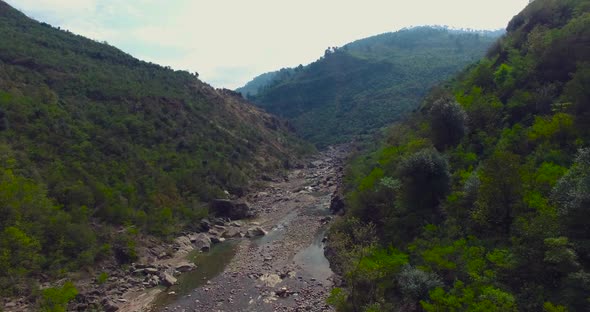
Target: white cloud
<point>230,41</point>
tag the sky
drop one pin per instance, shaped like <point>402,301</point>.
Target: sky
<point>228,42</point>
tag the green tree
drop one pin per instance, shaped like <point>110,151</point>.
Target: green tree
<point>425,181</point>
<point>447,122</point>
<point>499,194</point>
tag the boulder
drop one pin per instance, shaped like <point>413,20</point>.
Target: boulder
<point>217,240</point>
<point>167,279</point>
<point>183,244</point>
<point>154,281</point>
<point>255,232</point>
<point>232,233</point>
<point>185,267</point>
<point>109,306</point>
<point>201,242</point>
<point>204,225</point>
<point>230,209</point>
<point>236,223</point>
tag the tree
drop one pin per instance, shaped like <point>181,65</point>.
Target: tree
<point>499,194</point>
<point>425,181</point>
<point>572,197</point>
<point>447,121</point>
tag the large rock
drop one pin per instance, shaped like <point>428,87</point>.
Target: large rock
<point>217,240</point>
<point>109,306</point>
<point>201,242</point>
<point>184,244</point>
<point>185,267</point>
<point>232,233</point>
<point>255,231</point>
<point>226,208</point>
<point>167,279</point>
<point>204,225</point>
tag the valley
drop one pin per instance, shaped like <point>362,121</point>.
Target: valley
<point>284,270</point>
<point>428,169</point>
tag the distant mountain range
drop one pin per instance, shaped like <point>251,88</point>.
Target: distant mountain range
<point>356,89</point>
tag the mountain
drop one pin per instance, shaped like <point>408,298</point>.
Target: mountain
<point>480,200</point>
<point>369,83</point>
<point>92,138</point>
<point>251,88</point>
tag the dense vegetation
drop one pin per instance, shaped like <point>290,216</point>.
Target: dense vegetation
<point>369,83</point>
<point>92,140</point>
<point>481,200</point>
<point>259,82</point>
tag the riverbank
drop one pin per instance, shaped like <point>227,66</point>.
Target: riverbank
<point>284,270</point>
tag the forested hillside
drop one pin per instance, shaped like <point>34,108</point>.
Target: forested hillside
<point>480,201</point>
<point>92,139</point>
<point>251,88</point>
<point>367,84</point>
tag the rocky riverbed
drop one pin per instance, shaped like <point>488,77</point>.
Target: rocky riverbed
<point>272,262</point>
<point>284,270</point>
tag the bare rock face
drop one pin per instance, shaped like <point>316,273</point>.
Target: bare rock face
<point>255,232</point>
<point>226,208</point>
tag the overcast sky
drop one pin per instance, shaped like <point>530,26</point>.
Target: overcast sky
<point>230,42</point>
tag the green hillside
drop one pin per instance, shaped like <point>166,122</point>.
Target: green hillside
<point>480,200</point>
<point>251,88</point>
<point>92,138</point>
<point>365,85</point>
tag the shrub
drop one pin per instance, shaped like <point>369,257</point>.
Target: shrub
<point>55,299</point>
<point>414,284</point>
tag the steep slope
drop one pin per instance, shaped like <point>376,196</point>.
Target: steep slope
<point>480,201</point>
<point>92,137</point>
<point>367,84</point>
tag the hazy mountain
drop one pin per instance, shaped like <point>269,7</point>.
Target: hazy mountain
<point>369,83</point>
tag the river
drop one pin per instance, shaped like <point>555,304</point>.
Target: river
<point>285,270</point>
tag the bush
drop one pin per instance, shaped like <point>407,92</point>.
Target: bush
<point>102,278</point>
<point>124,249</point>
<point>56,299</point>
<point>414,284</point>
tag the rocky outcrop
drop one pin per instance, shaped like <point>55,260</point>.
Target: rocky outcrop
<point>226,208</point>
